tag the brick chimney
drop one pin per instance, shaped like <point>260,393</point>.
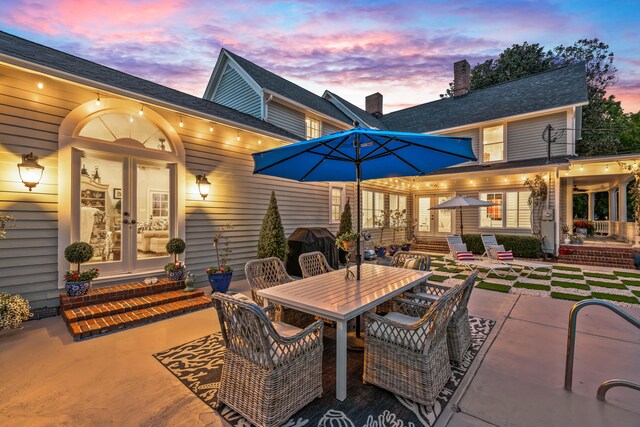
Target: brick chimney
<point>461,78</point>
<point>373,104</point>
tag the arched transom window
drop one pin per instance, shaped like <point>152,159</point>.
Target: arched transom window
<point>113,127</point>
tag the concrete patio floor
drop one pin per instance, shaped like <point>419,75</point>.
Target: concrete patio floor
<point>48,379</point>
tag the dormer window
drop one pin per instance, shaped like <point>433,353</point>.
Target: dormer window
<point>493,144</point>
<point>313,128</point>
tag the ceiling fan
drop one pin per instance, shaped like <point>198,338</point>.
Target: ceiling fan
<point>578,190</point>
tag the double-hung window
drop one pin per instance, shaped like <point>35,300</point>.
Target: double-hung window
<point>312,128</point>
<point>493,144</point>
<point>510,210</point>
<point>336,203</point>
<point>372,205</point>
<point>397,203</point>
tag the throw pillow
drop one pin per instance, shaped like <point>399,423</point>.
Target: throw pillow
<point>505,256</point>
<point>464,256</point>
<point>414,263</point>
<point>493,251</point>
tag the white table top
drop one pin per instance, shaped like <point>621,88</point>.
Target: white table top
<point>330,295</point>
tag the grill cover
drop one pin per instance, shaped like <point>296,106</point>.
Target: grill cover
<point>304,240</point>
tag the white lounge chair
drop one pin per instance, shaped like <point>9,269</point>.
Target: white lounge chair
<point>491,249</point>
<point>457,245</point>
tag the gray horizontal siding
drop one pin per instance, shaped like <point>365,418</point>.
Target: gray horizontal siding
<point>328,129</point>
<point>234,92</point>
<point>524,137</point>
<point>474,134</point>
<point>286,118</point>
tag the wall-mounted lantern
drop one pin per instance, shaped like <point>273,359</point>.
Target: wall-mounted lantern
<point>30,170</point>
<point>203,185</point>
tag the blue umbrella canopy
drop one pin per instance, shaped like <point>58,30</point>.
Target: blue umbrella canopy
<point>380,154</point>
<point>360,154</point>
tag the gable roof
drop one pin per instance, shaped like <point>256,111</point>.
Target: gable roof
<point>278,85</point>
<point>555,88</point>
<point>22,49</point>
<point>357,112</point>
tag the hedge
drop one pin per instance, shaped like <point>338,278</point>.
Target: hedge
<point>522,246</point>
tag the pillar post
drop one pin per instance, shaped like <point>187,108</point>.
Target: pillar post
<point>622,202</point>
<point>568,218</point>
<point>592,204</point>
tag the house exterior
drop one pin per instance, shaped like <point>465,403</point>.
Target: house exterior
<point>122,155</point>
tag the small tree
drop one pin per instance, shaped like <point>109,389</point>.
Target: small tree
<point>537,198</point>
<point>271,241</point>
<point>346,225</point>
<point>78,253</point>
<point>175,247</point>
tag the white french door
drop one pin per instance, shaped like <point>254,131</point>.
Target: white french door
<point>433,222</point>
<point>126,210</point>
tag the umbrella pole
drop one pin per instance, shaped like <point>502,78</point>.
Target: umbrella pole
<point>359,221</point>
<point>461,228</point>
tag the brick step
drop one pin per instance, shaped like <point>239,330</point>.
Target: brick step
<point>104,324</point>
<point>118,292</point>
<point>110,308</point>
<point>438,246</point>
<point>599,256</point>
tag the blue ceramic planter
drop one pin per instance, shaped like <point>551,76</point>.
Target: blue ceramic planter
<point>393,249</point>
<point>175,276</point>
<point>76,289</point>
<point>220,282</point>
<point>381,251</point>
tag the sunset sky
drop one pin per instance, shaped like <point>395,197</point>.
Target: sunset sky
<point>405,50</point>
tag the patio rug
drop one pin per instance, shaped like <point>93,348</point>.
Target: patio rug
<point>198,365</point>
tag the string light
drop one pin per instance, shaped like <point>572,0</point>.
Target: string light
<point>238,136</point>
<point>581,167</point>
<point>505,179</point>
<point>181,122</point>
<point>259,142</point>
<point>524,177</point>
<point>40,85</point>
<point>98,101</point>
<point>606,168</point>
<point>210,128</point>
<point>566,173</point>
<point>141,112</point>
<point>130,119</point>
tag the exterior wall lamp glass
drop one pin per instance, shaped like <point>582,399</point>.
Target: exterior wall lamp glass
<point>30,170</point>
<point>203,185</point>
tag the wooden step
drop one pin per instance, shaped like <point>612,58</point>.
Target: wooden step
<point>100,325</point>
<point>121,306</point>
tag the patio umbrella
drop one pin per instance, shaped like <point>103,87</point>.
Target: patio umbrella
<point>359,154</point>
<point>462,202</point>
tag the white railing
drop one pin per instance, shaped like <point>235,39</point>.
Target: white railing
<point>602,227</point>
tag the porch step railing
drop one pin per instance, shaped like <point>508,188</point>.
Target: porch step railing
<point>602,227</point>
<point>571,345</point>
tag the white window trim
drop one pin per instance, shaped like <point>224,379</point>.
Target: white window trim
<point>375,208</point>
<point>504,213</point>
<point>342,201</point>
<point>150,193</point>
<point>504,143</point>
<point>306,134</point>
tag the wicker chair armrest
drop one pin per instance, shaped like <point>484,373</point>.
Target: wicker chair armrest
<point>411,307</point>
<point>314,331</point>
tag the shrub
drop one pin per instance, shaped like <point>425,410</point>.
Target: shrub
<point>271,240</point>
<point>346,225</point>
<point>522,246</point>
<point>78,252</point>
<point>13,311</point>
<point>175,247</point>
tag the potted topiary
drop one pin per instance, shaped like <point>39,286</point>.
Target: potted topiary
<point>13,311</point>
<point>78,282</point>
<point>380,223</point>
<point>346,226</point>
<point>175,270</point>
<point>220,275</point>
<point>271,240</point>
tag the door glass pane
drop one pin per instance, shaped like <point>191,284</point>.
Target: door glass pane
<point>424,214</point>
<point>444,216</point>
<point>153,210</point>
<point>100,207</point>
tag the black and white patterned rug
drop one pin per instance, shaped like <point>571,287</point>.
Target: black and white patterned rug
<point>198,365</point>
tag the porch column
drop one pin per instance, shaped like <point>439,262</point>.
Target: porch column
<point>592,204</point>
<point>622,201</point>
<point>613,208</point>
<point>568,218</point>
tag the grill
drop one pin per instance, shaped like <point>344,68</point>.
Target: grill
<point>304,240</point>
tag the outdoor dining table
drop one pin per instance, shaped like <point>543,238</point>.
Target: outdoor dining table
<point>334,297</point>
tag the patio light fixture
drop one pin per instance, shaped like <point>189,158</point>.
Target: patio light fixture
<point>98,100</point>
<point>203,185</point>
<point>30,170</point>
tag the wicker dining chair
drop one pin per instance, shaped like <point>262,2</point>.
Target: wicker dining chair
<point>313,264</point>
<point>271,370</point>
<point>407,355</point>
<point>266,273</point>
<point>458,330</point>
<point>401,257</point>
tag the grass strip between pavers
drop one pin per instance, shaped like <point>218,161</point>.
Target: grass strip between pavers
<point>570,285</point>
<point>460,276</point>
<point>537,276</point>
<point>571,297</point>
<point>493,287</point>
<point>600,275</point>
<point>612,297</point>
<point>562,267</point>
<point>636,293</point>
<point>606,284</point>
<point>436,278</point>
<point>495,276</point>
<point>627,274</point>
<point>533,286</point>
<point>630,282</point>
<point>567,276</point>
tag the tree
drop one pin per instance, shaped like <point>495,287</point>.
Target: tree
<point>271,241</point>
<point>346,225</point>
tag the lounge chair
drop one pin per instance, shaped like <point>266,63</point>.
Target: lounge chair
<point>406,350</point>
<point>491,249</point>
<point>271,370</point>
<point>456,246</point>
